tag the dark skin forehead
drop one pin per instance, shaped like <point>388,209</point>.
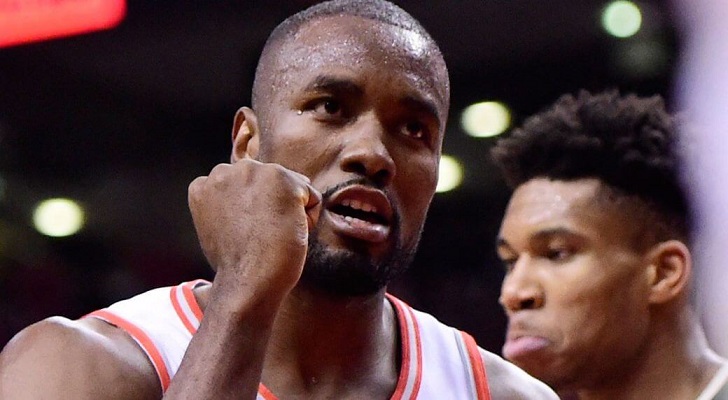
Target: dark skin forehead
<point>585,208</point>
<point>352,43</point>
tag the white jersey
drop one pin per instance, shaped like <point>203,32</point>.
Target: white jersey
<point>438,362</point>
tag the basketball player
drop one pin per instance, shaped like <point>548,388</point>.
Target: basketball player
<point>332,172</point>
<point>596,244</point>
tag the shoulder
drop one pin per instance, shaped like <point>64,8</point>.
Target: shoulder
<point>81,359</point>
<point>506,381</point>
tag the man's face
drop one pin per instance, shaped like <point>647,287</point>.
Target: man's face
<point>359,107</point>
<point>576,289</point>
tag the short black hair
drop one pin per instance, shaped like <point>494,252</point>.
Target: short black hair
<point>377,10</point>
<point>629,143</point>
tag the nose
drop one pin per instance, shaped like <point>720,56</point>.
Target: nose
<point>520,289</point>
<point>365,152</point>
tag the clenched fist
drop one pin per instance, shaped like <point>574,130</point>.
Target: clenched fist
<point>252,221</point>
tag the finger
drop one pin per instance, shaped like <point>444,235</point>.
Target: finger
<point>314,197</point>
<point>302,176</point>
<point>194,188</point>
<point>312,206</point>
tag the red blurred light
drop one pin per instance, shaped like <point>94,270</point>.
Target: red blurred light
<point>23,21</point>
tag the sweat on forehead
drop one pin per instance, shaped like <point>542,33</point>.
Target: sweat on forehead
<point>375,10</point>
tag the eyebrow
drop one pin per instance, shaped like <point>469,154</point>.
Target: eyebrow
<point>346,86</point>
<point>423,105</point>
<point>335,85</point>
<point>500,242</point>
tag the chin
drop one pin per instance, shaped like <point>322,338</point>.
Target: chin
<point>351,272</point>
<point>556,376</point>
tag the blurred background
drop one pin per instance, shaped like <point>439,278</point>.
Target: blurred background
<point>122,119</point>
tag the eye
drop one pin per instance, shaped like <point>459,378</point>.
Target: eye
<point>508,262</point>
<point>558,254</point>
<point>328,107</point>
<point>415,129</point>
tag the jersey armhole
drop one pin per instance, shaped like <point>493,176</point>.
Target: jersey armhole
<point>477,364</point>
<point>142,339</point>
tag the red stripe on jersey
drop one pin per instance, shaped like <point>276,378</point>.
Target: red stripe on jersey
<point>418,348</point>
<point>144,341</point>
<point>190,296</point>
<point>404,336</point>
<point>265,393</point>
<point>476,361</point>
<point>178,309</point>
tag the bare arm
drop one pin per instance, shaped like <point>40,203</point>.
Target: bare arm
<point>226,355</point>
<point>89,359</point>
<point>506,381</point>
<point>252,220</point>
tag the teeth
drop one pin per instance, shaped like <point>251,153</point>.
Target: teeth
<point>357,221</point>
<point>359,205</point>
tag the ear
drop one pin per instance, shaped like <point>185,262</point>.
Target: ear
<point>246,136</point>
<point>671,264</point>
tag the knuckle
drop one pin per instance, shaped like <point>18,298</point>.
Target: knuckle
<point>278,174</point>
<point>195,187</point>
<point>221,175</point>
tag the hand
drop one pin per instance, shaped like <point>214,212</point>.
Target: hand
<point>252,221</point>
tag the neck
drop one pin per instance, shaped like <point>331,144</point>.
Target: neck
<point>676,363</point>
<point>322,343</point>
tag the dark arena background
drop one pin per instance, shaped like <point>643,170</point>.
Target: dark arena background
<point>122,119</point>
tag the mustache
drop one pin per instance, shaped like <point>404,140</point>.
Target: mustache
<point>326,194</point>
<point>363,181</point>
<point>520,324</point>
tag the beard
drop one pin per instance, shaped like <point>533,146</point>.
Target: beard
<point>353,272</point>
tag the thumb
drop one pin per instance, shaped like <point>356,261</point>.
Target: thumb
<point>312,206</point>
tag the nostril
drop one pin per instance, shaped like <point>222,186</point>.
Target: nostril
<point>381,177</point>
<point>357,168</point>
<point>528,304</point>
<point>380,173</point>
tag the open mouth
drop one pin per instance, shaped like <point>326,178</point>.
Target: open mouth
<point>355,209</point>
<point>361,212</point>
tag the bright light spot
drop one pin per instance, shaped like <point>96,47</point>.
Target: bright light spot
<point>451,174</point>
<point>58,217</point>
<point>622,19</point>
<point>486,119</point>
